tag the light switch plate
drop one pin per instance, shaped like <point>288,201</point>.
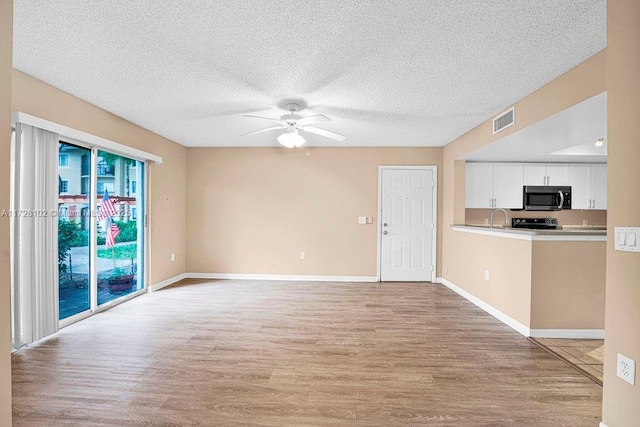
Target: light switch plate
<point>362,220</point>
<point>626,239</point>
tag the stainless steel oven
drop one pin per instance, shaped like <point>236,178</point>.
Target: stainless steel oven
<point>546,198</point>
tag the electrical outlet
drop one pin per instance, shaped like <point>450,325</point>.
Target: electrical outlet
<point>173,257</point>
<point>303,255</point>
<point>626,369</point>
<point>486,275</point>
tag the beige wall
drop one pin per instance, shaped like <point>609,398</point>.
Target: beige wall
<point>166,194</point>
<point>252,210</point>
<point>621,405</point>
<point>568,285</point>
<point>509,263</point>
<point>578,84</point>
<point>6,38</point>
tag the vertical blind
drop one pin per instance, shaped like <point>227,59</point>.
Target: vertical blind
<point>34,205</point>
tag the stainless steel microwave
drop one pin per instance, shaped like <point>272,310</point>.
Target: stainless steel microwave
<point>546,198</point>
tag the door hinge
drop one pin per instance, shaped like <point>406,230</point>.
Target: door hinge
<point>146,220</point>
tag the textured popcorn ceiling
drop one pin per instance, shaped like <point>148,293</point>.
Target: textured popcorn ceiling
<point>389,73</point>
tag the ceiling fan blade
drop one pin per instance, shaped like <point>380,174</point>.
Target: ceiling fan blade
<point>317,118</point>
<point>323,132</point>
<point>263,118</point>
<point>263,130</point>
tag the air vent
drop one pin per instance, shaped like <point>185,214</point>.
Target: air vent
<point>504,120</point>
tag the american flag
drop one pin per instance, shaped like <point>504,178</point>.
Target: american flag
<point>112,233</point>
<point>107,209</point>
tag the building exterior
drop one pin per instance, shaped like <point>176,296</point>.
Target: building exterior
<point>119,176</point>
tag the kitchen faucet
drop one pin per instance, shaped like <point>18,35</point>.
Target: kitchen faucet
<point>506,216</point>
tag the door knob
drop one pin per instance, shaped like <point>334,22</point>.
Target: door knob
<point>385,232</point>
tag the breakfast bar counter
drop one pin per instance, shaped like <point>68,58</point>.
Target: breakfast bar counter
<point>544,283</point>
<point>593,234</point>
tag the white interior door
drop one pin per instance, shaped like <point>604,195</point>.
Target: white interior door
<point>407,225</point>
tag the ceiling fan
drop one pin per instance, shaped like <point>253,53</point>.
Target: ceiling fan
<point>293,123</point>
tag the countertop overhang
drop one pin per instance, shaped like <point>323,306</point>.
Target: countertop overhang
<point>573,234</point>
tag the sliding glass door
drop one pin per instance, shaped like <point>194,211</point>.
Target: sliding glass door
<point>120,226</point>
<point>74,255</point>
<point>100,194</point>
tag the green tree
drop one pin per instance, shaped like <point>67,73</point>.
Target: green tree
<point>67,236</point>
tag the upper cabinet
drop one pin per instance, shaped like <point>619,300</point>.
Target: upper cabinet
<point>493,185</point>
<point>479,185</point>
<point>499,185</point>
<point>546,174</point>
<point>588,186</point>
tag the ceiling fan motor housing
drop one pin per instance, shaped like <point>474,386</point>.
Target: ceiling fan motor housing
<point>290,118</point>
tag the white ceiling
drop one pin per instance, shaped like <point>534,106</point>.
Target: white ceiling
<point>568,136</point>
<point>389,73</point>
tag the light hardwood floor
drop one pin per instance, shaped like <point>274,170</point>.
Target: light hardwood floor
<point>297,354</point>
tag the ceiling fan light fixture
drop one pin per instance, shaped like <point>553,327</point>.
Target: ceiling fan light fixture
<point>600,142</point>
<point>291,139</point>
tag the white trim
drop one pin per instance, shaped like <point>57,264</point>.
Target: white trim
<point>434,242</point>
<point>281,277</point>
<point>507,320</point>
<point>167,282</point>
<point>93,232</point>
<point>102,143</point>
<point>592,334</point>
<point>145,222</point>
<point>573,236</point>
<point>602,424</point>
<point>379,227</point>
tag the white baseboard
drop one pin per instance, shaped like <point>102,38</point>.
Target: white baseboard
<point>592,334</point>
<point>282,277</point>
<point>602,424</point>
<point>169,281</point>
<point>507,320</point>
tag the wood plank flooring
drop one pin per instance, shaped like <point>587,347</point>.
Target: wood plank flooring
<point>225,353</point>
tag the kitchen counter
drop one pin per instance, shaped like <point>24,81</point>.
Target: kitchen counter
<point>542,283</point>
<point>563,234</point>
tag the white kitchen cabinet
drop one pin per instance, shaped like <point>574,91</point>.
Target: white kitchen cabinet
<point>507,185</point>
<point>579,182</point>
<point>598,186</point>
<point>493,185</point>
<point>588,186</point>
<point>546,174</point>
<point>479,185</point>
